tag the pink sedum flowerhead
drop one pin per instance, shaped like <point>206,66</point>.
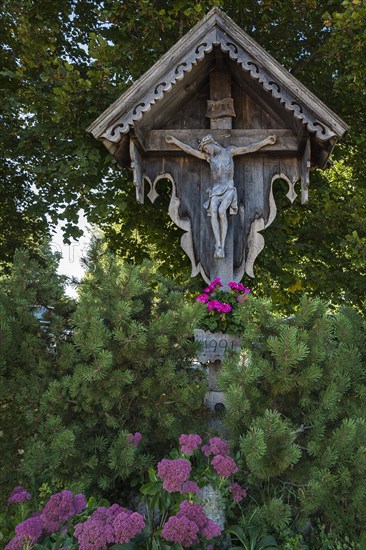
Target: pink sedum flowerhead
<point>190,521</point>
<point>19,495</point>
<point>126,526</point>
<point>193,512</point>
<point>224,465</point>
<point>190,487</point>
<point>217,446</point>
<point>27,533</point>
<point>211,530</point>
<point>93,534</point>
<point>181,531</point>
<point>98,531</point>
<point>238,492</point>
<point>134,439</point>
<point>174,473</point>
<point>30,529</point>
<point>189,443</point>
<point>60,508</point>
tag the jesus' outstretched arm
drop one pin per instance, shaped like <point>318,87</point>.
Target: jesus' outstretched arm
<point>186,148</point>
<point>270,140</point>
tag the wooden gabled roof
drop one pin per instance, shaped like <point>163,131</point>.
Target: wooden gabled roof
<point>216,29</point>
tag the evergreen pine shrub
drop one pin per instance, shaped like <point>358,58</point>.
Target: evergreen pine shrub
<point>127,368</point>
<point>34,315</point>
<point>296,412</point>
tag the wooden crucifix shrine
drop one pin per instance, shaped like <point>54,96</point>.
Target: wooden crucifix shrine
<point>222,120</point>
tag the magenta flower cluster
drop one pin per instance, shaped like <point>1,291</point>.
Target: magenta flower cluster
<point>134,439</point>
<point>19,495</point>
<point>238,287</point>
<point>216,283</point>
<point>212,303</point>
<point>60,508</point>
<point>189,443</point>
<point>174,473</point>
<point>223,464</point>
<point>190,487</point>
<point>113,525</point>
<point>237,492</point>
<point>56,512</point>
<point>216,446</point>
<point>190,522</point>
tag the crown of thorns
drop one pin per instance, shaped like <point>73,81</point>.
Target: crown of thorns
<point>204,141</point>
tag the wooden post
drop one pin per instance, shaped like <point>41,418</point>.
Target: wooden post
<point>220,111</point>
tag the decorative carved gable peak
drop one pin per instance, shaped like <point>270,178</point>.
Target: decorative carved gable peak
<point>186,66</point>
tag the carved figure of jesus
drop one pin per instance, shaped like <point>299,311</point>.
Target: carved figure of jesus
<point>223,194</point>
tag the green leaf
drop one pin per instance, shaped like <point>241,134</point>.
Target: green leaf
<point>152,488</point>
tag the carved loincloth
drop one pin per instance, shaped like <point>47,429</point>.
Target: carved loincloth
<point>222,191</point>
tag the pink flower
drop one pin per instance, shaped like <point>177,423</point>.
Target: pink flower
<point>193,512</point>
<point>134,439</point>
<point>190,487</point>
<point>238,492</point>
<point>61,507</point>
<point>190,521</point>
<point>106,526</point>
<point>189,443</point>
<point>224,465</point>
<point>181,531</point>
<point>203,298</point>
<point>19,495</point>
<point>93,534</point>
<point>233,285</point>
<point>211,530</point>
<point>213,304</point>
<point>126,526</point>
<point>242,298</point>
<point>224,308</point>
<point>30,529</point>
<point>212,286</point>
<point>174,473</point>
<point>217,446</point>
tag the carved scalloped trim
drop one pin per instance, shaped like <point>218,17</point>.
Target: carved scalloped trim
<point>248,64</point>
<point>167,82</point>
<point>291,195</point>
<point>255,244</point>
<point>183,223</point>
<point>255,239</point>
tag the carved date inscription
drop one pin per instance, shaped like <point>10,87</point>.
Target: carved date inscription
<point>220,108</point>
<point>215,345</point>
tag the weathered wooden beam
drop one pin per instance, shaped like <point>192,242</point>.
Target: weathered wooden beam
<point>286,141</point>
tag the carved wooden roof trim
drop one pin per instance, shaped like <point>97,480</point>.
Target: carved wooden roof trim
<point>217,29</point>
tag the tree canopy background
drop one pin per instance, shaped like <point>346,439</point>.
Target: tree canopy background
<point>64,62</point>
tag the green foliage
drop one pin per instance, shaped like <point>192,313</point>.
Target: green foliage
<point>28,357</point>
<point>64,62</point>
<point>126,368</point>
<point>269,447</point>
<point>251,538</point>
<point>296,412</point>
